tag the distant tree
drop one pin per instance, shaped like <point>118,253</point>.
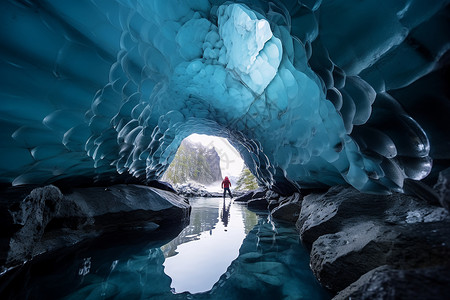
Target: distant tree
<point>246,181</point>
<point>178,169</point>
<point>193,162</point>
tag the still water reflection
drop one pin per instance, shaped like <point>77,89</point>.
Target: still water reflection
<point>227,252</point>
<point>202,252</point>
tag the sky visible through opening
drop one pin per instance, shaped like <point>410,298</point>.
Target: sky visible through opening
<point>231,163</point>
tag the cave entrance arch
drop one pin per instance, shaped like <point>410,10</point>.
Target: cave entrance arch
<point>205,159</point>
<point>170,133</point>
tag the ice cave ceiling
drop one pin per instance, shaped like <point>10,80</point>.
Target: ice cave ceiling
<point>312,93</point>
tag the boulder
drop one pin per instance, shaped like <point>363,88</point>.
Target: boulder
<point>258,204</point>
<point>339,259</point>
<point>350,233</point>
<point>259,193</point>
<point>344,206</point>
<point>162,185</point>
<point>271,195</point>
<point>32,215</point>
<point>255,194</point>
<point>47,220</point>
<point>288,210</point>
<point>121,207</point>
<point>387,283</point>
<point>245,197</point>
<point>421,190</point>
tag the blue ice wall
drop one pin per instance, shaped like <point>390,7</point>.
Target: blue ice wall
<point>312,93</point>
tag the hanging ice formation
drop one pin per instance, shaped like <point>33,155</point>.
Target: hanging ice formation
<point>307,91</point>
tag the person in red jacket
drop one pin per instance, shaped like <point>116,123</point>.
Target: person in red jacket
<point>226,184</point>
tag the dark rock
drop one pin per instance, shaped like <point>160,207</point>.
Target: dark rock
<point>319,190</point>
<point>259,193</point>
<point>124,206</point>
<point>421,190</point>
<point>386,283</point>
<point>271,195</point>
<point>255,194</point>
<point>33,215</point>
<point>48,221</point>
<point>288,210</point>
<point>443,188</point>
<point>10,200</point>
<point>339,259</point>
<point>245,197</point>
<point>282,186</point>
<point>352,233</point>
<point>340,207</point>
<point>162,185</point>
<point>272,204</point>
<point>258,204</point>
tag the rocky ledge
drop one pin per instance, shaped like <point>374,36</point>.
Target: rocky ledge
<point>193,189</point>
<point>350,234</point>
<point>46,219</point>
<point>282,208</point>
<point>372,246</point>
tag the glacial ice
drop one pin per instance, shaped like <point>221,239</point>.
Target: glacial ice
<point>311,93</point>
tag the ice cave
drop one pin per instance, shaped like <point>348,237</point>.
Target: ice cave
<point>312,93</point>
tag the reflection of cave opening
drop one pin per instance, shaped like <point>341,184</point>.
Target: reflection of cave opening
<point>205,160</point>
<point>201,254</point>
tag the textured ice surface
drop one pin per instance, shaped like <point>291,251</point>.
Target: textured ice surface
<point>108,89</point>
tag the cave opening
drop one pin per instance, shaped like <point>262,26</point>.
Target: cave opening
<point>206,160</point>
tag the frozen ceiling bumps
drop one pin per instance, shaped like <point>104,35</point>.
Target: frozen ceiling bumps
<point>311,93</point>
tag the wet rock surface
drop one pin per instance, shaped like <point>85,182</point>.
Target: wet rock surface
<point>258,204</point>
<point>32,216</point>
<point>343,207</point>
<point>339,259</point>
<point>46,220</point>
<point>123,206</point>
<point>350,234</point>
<point>259,193</point>
<point>362,246</point>
<point>282,208</point>
<point>289,209</point>
<point>388,283</point>
<point>267,202</point>
<point>161,185</point>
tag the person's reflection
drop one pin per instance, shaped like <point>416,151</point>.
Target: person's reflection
<point>225,213</point>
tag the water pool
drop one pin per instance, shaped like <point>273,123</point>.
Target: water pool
<point>226,252</point>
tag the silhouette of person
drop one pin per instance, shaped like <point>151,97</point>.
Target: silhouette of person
<point>226,184</point>
<point>225,213</point>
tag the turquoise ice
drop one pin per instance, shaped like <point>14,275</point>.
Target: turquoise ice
<point>107,90</point>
